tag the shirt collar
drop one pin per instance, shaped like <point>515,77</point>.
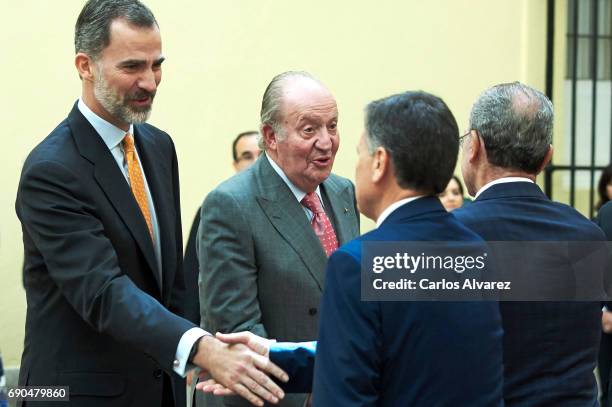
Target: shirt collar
<point>503,180</point>
<point>395,205</point>
<point>111,134</point>
<point>298,193</point>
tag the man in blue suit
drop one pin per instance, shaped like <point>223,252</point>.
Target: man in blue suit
<point>549,348</point>
<point>404,353</point>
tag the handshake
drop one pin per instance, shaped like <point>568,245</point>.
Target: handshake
<point>238,364</point>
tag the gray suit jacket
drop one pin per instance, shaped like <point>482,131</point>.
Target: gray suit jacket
<point>261,265</point>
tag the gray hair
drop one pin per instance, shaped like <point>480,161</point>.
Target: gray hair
<point>515,122</point>
<point>92,30</point>
<point>271,102</point>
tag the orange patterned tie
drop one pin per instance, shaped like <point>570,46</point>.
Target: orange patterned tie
<point>136,180</point>
<point>320,223</point>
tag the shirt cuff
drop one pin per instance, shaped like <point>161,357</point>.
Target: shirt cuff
<point>181,365</point>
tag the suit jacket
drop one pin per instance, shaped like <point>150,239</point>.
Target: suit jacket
<point>99,319</point>
<point>405,353</point>
<point>550,348</point>
<point>191,270</point>
<point>604,219</point>
<point>261,265</point>
<point>604,362</point>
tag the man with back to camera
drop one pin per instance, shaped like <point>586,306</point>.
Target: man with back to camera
<point>402,353</point>
<point>98,201</point>
<point>549,348</point>
<point>245,150</point>
<point>266,233</point>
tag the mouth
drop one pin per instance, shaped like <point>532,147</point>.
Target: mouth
<point>322,162</point>
<point>143,101</point>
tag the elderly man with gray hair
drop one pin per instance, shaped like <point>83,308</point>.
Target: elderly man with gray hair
<point>549,348</point>
<point>266,233</point>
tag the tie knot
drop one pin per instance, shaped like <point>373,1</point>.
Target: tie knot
<point>312,202</point>
<point>128,143</point>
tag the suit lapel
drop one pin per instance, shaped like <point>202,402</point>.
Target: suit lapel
<point>343,209</point>
<point>288,218</point>
<point>112,182</point>
<point>156,168</point>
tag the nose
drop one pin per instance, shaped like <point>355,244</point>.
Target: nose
<point>149,81</point>
<point>324,141</point>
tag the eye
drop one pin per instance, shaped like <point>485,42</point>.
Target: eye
<point>309,129</point>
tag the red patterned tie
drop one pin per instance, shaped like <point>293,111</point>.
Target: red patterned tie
<point>320,223</point>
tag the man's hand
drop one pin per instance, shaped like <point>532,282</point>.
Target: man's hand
<point>256,343</point>
<point>240,369</point>
<point>606,321</point>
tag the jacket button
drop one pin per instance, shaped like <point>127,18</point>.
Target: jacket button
<point>312,311</point>
<point>157,373</point>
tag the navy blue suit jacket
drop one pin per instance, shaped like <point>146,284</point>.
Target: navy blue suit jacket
<point>405,353</point>
<point>550,348</point>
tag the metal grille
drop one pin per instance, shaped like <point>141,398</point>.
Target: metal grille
<point>587,101</point>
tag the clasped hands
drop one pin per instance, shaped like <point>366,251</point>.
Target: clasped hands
<point>239,364</point>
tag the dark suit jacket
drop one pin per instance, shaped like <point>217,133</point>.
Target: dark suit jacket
<point>191,271</point>
<point>604,219</point>
<point>98,319</point>
<point>550,348</point>
<point>405,353</point>
<point>604,363</point>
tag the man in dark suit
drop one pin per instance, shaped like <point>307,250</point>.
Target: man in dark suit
<point>604,363</point>
<point>265,233</point>
<point>98,201</point>
<point>411,353</point>
<point>550,348</point>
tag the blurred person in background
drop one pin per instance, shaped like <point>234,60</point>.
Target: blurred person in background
<point>452,196</point>
<point>604,187</point>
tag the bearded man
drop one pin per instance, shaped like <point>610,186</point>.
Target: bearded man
<point>98,201</point>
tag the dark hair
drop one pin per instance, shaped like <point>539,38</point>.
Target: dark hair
<point>458,181</point>
<point>92,30</point>
<point>602,186</point>
<point>421,135</point>
<point>515,122</point>
<point>238,137</point>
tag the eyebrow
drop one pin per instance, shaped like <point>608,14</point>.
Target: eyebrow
<point>314,119</point>
<point>139,62</point>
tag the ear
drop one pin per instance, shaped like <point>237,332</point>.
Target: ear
<point>235,165</point>
<point>475,147</point>
<point>269,136</point>
<point>546,160</point>
<point>381,162</point>
<point>85,66</point>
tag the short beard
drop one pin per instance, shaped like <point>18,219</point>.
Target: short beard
<point>116,105</point>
